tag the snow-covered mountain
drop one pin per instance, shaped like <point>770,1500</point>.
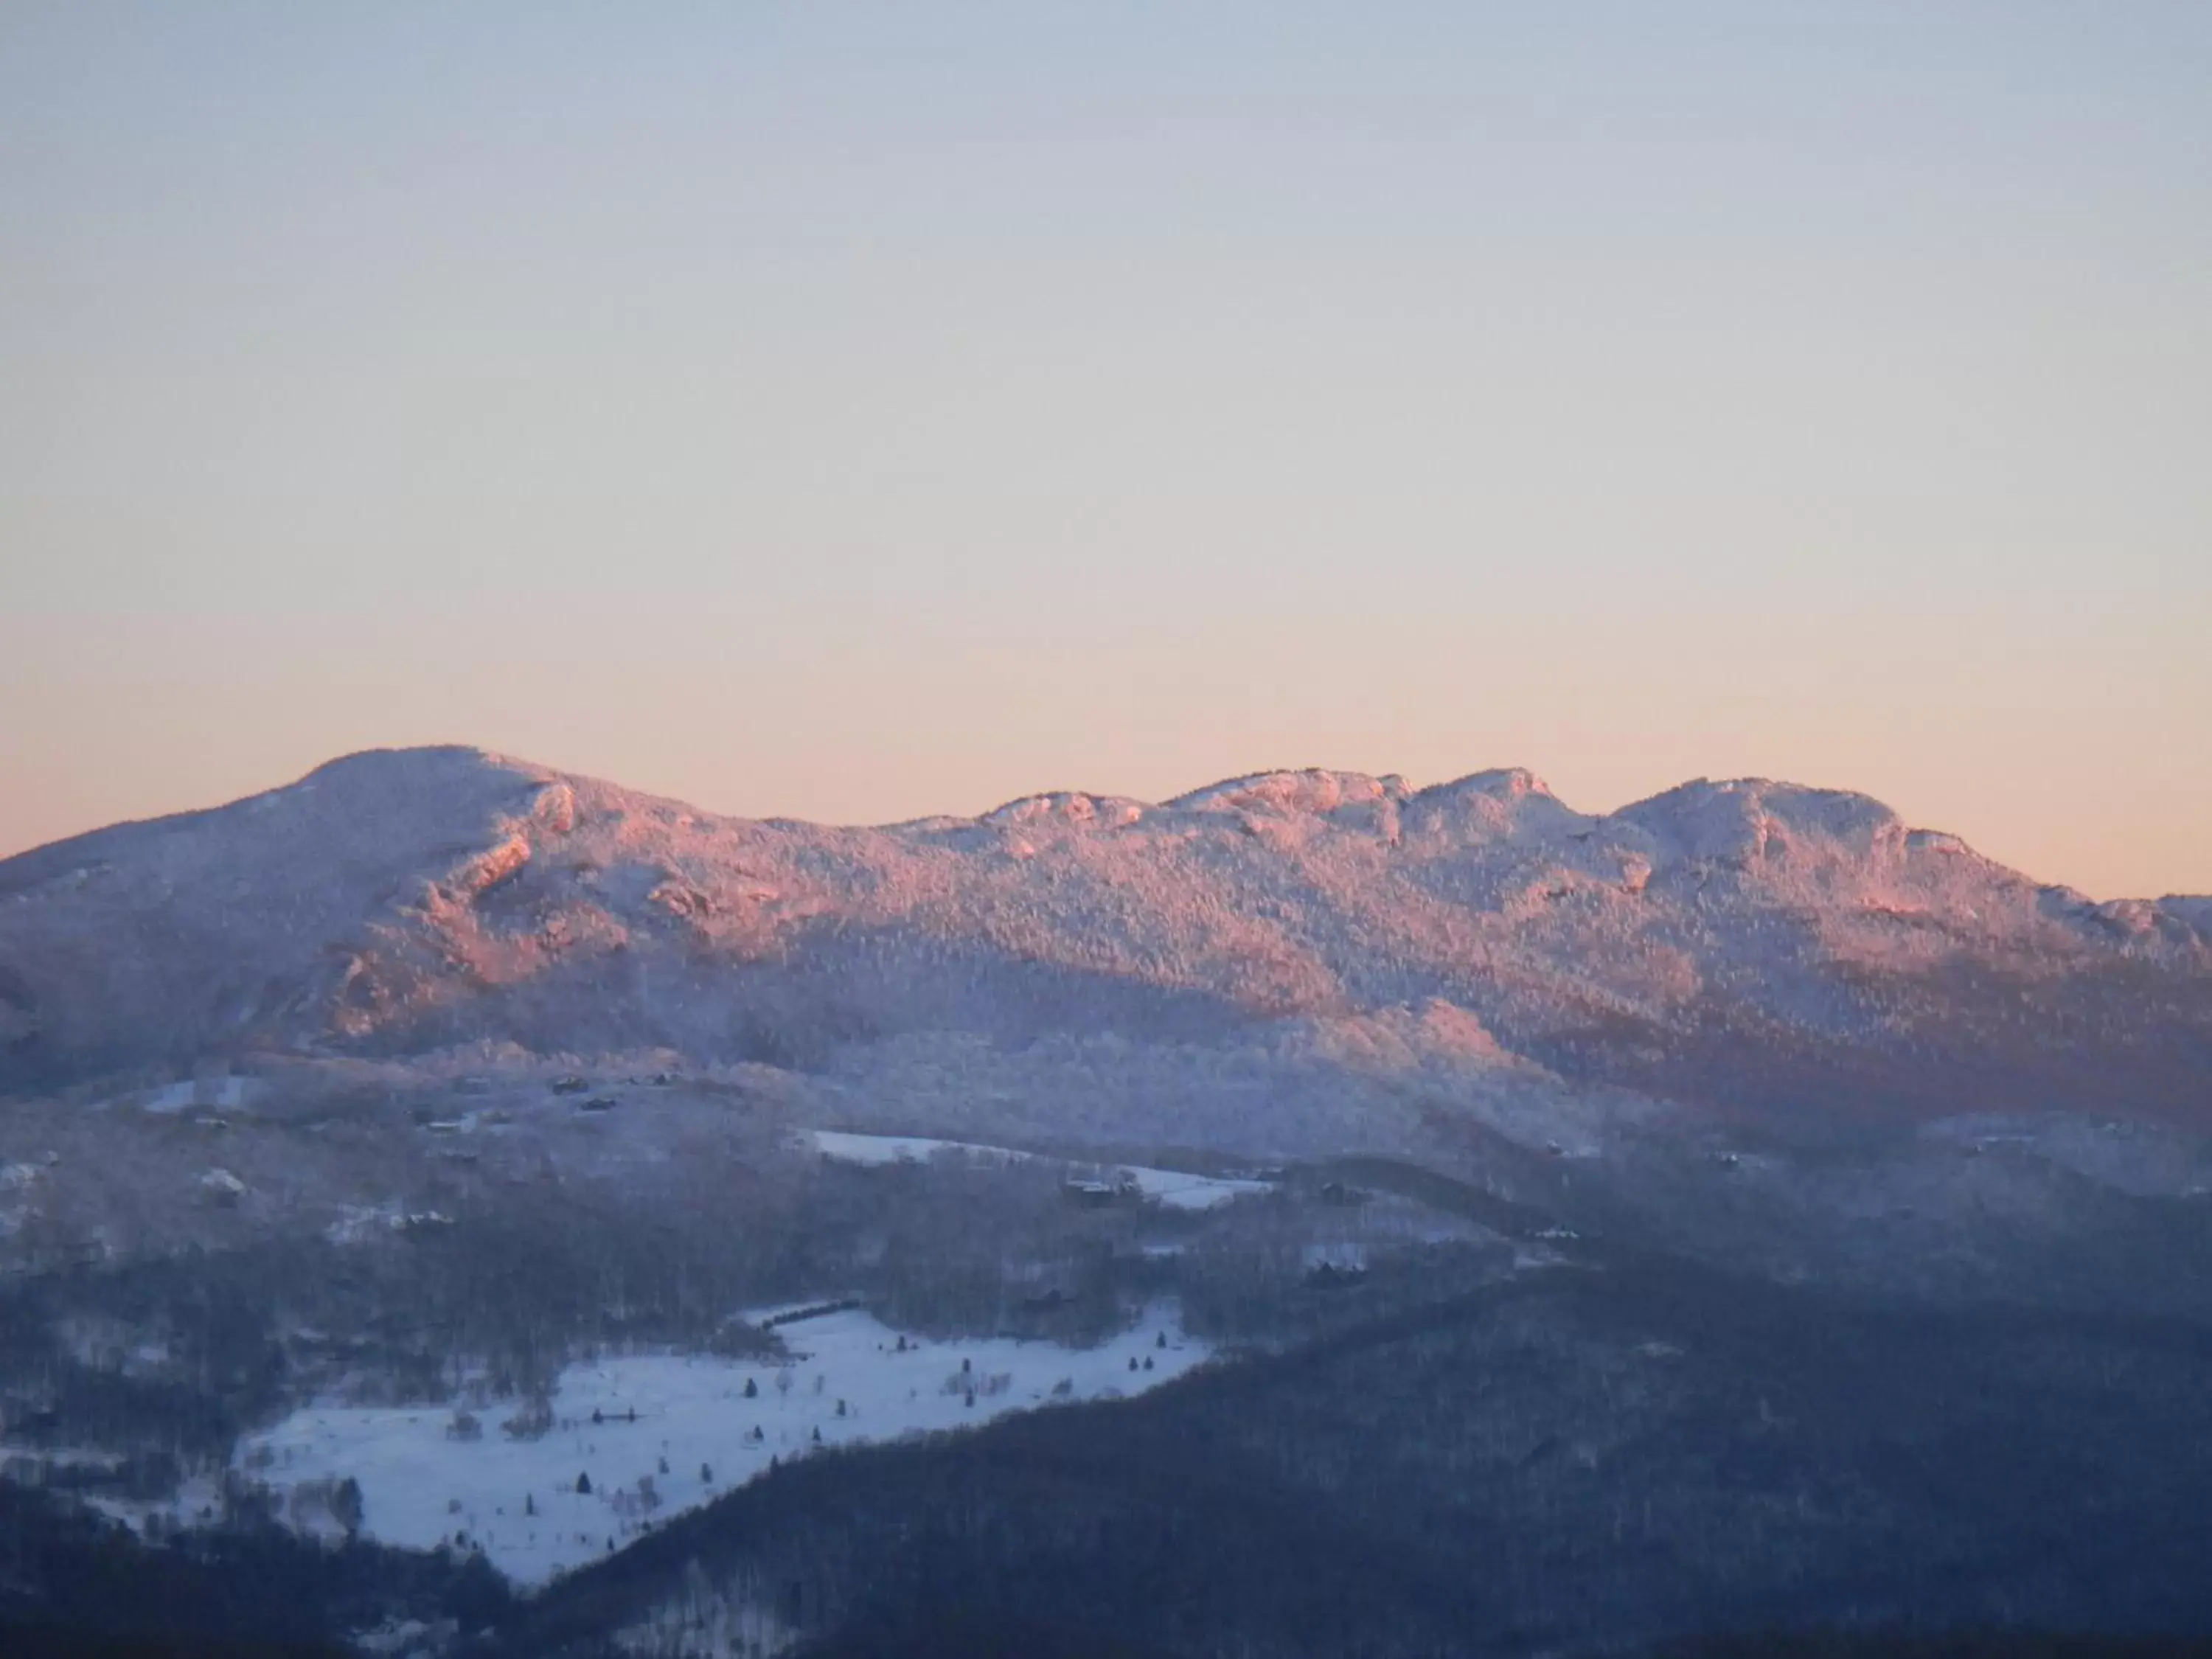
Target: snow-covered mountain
<point>438,1149</point>
<point>1745,946</point>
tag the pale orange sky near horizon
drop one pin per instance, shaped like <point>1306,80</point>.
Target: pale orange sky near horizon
<point>845,412</point>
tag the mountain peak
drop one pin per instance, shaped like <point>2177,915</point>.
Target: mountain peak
<point>1307,790</point>
<point>1755,817</point>
<point>1502,782</point>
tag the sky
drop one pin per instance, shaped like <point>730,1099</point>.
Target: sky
<point>861,411</point>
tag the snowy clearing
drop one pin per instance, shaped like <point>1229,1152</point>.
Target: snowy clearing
<point>694,1434</point>
<point>1172,1187</point>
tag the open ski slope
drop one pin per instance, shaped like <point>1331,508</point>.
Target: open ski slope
<point>694,1434</point>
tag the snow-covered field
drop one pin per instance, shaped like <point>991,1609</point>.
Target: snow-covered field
<point>694,1434</point>
<point>1172,1187</point>
<point>227,1092</point>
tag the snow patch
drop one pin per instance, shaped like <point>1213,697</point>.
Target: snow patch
<point>358,1223</point>
<point>1172,1187</point>
<point>221,1186</point>
<point>649,1437</point>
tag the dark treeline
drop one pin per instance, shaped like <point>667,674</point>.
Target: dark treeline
<point>1991,1643</point>
<point>34,1642</point>
<point>961,1637</point>
<point>74,1583</point>
<point>1583,1458</point>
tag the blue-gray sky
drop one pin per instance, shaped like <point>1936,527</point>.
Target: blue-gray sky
<point>856,411</point>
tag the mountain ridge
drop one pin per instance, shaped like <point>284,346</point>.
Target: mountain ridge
<point>1272,787</point>
<point>395,901</point>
